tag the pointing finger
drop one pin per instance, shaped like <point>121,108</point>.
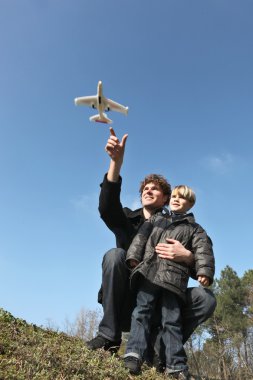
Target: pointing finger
<point>112,131</point>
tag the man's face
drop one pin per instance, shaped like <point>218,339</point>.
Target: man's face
<point>179,204</point>
<point>152,196</point>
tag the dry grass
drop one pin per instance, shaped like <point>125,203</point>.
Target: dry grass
<point>29,352</point>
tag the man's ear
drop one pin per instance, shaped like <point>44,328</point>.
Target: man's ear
<point>166,200</point>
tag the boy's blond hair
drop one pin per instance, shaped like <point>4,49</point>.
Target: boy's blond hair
<point>185,192</point>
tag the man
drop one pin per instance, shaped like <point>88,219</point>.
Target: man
<point>115,295</point>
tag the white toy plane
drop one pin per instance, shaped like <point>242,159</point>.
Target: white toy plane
<point>101,103</point>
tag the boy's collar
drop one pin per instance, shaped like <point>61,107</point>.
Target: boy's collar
<point>165,211</point>
<point>178,215</point>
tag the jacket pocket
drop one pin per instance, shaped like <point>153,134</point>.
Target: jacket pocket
<point>174,276</point>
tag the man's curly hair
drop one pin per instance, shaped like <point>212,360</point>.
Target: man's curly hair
<point>159,180</point>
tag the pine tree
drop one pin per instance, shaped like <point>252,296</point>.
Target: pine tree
<point>229,324</point>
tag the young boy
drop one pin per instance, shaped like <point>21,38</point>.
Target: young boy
<point>166,280</point>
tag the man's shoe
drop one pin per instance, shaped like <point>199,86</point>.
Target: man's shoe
<point>101,342</point>
<point>133,364</point>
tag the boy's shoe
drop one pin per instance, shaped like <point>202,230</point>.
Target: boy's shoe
<point>101,342</point>
<point>159,365</point>
<point>180,375</point>
<point>133,364</point>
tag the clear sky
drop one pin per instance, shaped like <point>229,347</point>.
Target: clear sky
<point>184,68</point>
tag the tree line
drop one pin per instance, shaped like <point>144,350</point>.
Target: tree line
<point>222,348</point>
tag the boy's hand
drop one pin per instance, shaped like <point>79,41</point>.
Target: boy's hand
<point>133,263</point>
<point>203,280</point>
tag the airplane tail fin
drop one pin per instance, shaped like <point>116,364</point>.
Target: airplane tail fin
<point>101,119</point>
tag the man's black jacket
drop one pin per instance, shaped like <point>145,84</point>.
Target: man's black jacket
<point>122,221</point>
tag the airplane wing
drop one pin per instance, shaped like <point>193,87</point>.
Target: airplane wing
<point>113,106</point>
<point>90,101</point>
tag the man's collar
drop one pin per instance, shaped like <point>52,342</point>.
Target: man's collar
<point>135,213</point>
<point>139,212</point>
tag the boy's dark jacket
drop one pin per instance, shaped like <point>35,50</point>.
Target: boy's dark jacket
<point>166,273</point>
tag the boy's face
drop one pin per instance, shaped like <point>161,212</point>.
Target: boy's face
<point>152,196</point>
<point>179,204</point>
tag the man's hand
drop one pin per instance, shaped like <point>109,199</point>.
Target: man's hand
<point>115,150</point>
<point>175,251</point>
<point>114,147</point>
<point>203,280</point>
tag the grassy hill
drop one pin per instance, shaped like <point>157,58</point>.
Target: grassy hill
<point>29,352</point>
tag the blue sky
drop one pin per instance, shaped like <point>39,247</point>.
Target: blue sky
<point>184,68</point>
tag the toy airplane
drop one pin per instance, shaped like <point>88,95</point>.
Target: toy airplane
<point>101,103</point>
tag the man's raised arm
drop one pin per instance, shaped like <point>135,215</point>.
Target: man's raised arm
<point>115,149</point>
